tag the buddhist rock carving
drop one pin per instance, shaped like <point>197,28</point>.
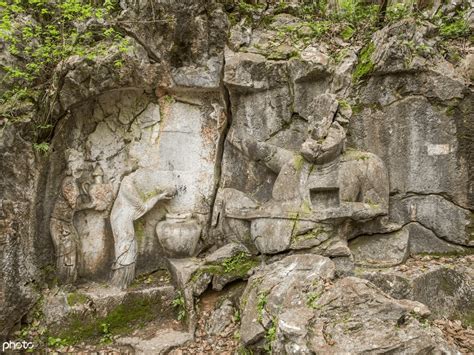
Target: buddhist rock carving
<point>76,194</point>
<point>132,202</point>
<point>320,194</point>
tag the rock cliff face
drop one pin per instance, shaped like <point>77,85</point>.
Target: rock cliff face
<point>259,133</point>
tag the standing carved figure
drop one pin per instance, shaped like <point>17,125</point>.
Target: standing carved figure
<point>63,232</point>
<point>132,202</point>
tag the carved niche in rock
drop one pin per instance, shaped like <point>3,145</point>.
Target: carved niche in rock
<point>321,194</point>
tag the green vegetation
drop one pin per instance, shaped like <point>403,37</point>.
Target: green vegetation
<point>344,104</point>
<point>179,304</point>
<point>56,342</point>
<point>270,336</point>
<point>235,263</point>
<point>398,11</point>
<point>238,265</point>
<point>356,12</point>
<point>312,300</point>
<point>261,302</point>
<point>74,298</point>
<point>168,99</point>
<point>249,13</point>
<point>120,320</point>
<point>42,147</point>
<point>242,350</point>
<point>454,27</point>
<point>237,316</point>
<point>39,35</point>
<point>298,162</point>
<point>365,65</point>
<point>106,334</point>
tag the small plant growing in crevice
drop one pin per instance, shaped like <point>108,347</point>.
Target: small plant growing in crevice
<point>312,300</point>
<point>236,316</point>
<point>270,336</point>
<point>179,304</point>
<point>106,334</point>
<point>261,302</point>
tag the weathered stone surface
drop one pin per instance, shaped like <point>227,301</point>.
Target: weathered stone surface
<point>182,270</point>
<point>93,300</point>
<point>353,311</point>
<point>179,235</point>
<point>170,113</point>
<point>163,341</point>
<point>186,41</point>
<point>445,219</point>
<point>381,250</point>
<point>21,253</point>
<point>416,126</point>
<point>448,293</point>
<point>277,288</point>
<point>318,194</point>
<point>225,252</point>
<point>295,301</point>
<point>344,265</point>
<point>220,318</point>
<point>86,79</point>
<point>445,287</point>
<point>425,241</point>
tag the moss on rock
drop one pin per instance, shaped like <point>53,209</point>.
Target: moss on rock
<point>365,65</point>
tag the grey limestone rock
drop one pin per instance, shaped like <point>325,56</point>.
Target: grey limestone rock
<point>306,312</point>
<point>381,250</point>
<point>447,289</point>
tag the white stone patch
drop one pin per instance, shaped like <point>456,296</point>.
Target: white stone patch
<point>186,152</point>
<point>103,143</point>
<point>438,149</point>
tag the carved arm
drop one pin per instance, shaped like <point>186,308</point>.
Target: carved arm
<point>270,155</point>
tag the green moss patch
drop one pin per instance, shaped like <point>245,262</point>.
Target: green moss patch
<point>132,314</point>
<point>74,298</point>
<point>139,226</point>
<point>238,266</point>
<point>298,162</point>
<point>365,66</point>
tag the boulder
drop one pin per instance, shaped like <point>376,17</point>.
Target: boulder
<point>380,250</point>
<point>220,318</point>
<point>294,306</point>
<point>163,341</point>
<point>445,285</point>
<point>279,286</point>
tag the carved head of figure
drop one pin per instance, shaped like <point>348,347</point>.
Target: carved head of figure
<point>326,136</point>
<point>326,148</point>
<point>75,163</point>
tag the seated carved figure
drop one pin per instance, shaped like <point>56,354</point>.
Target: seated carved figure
<point>320,197</point>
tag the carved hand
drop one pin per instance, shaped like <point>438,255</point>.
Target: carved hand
<point>168,192</point>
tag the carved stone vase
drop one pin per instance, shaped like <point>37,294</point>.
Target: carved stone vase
<point>178,235</point>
